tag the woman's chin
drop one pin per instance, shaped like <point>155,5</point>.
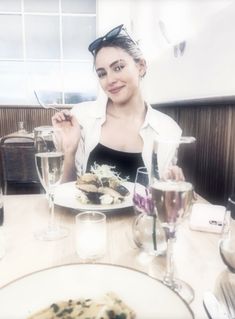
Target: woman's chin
<point>119,99</point>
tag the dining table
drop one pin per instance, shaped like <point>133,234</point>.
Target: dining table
<point>196,253</point>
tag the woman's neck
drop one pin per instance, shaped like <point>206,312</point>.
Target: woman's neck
<point>132,109</point>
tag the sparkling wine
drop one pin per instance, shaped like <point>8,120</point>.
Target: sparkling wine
<point>172,199</point>
<point>50,168</point>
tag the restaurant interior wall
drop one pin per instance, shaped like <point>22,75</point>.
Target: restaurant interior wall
<point>211,122</point>
<point>203,70</point>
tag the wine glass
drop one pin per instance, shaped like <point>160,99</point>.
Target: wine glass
<point>49,161</point>
<point>172,193</point>
<point>141,197</point>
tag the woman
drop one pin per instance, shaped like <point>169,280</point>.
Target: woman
<point>119,129</point>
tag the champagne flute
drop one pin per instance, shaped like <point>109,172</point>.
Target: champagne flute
<point>172,195</point>
<point>49,161</point>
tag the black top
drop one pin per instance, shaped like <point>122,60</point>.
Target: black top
<point>125,163</point>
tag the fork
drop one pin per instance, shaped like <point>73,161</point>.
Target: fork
<point>228,294</point>
<point>47,106</point>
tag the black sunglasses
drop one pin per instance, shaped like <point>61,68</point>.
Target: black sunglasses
<point>112,34</point>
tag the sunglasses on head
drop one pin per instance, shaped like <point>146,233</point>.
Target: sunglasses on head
<point>112,34</point>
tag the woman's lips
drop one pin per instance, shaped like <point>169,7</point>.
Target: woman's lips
<point>115,90</point>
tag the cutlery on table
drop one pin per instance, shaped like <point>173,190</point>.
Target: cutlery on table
<point>213,307</point>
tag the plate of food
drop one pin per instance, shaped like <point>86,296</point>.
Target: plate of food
<point>100,189</point>
<point>90,291</point>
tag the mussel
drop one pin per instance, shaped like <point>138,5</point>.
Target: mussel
<point>122,190</point>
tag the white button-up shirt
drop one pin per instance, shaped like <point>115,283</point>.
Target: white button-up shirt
<point>157,125</point>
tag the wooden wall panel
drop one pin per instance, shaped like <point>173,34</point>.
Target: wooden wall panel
<point>212,124</point>
<point>32,116</point>
<point>214,128</point>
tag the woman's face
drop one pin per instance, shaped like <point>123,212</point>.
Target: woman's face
<point>118,73</point>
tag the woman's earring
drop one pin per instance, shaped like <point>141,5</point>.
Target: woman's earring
<point>142,75</point>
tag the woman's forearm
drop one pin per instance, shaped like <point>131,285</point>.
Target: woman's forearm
<point>69,173</point>
<point>68,133</point>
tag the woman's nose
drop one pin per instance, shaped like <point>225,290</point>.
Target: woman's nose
<point>110,78</point>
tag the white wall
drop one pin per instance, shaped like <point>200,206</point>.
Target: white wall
<point>207,68</point>
<point>111,13</point>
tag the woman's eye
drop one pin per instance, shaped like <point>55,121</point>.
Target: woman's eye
<point>119,67</point>
<point>101,74</point>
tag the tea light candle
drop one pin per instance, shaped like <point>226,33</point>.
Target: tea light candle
<point>90,235</point>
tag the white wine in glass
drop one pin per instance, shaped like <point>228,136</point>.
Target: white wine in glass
<point>172,196</point>
<point>49,165</point>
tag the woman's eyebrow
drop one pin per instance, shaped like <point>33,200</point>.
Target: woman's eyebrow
<point>100,69</point>
<point>111,65</point>
<point>115,62</point>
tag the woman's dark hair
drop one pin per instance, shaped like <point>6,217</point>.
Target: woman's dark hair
<point>123,42</point>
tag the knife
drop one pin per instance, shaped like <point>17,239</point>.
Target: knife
<point>212,306</point>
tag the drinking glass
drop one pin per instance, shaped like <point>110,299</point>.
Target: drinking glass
<point>141,197</point>
<point>172,193</point>
<point>91,235</point>
<point>49,161</point>
<point>148,233</point>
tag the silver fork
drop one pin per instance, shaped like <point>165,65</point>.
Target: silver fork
<point>47,106</point>
<point>228,294</point>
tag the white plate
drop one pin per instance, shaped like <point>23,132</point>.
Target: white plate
<point>65,195</point>
<point>149,298</point>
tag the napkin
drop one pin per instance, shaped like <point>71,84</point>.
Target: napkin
<point>207,217</point>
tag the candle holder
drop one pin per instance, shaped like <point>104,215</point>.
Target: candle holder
<point>91,235</point>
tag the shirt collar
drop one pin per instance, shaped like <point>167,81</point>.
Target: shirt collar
<point>151,120</point>
<point>99,111</point>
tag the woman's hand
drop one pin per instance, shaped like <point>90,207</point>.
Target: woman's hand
<point>175,173</point>
<point>70,131</point>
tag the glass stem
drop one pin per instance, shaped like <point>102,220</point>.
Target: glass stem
<point>154,233</point>
<point>169,276</point>
<point>51,225</point>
